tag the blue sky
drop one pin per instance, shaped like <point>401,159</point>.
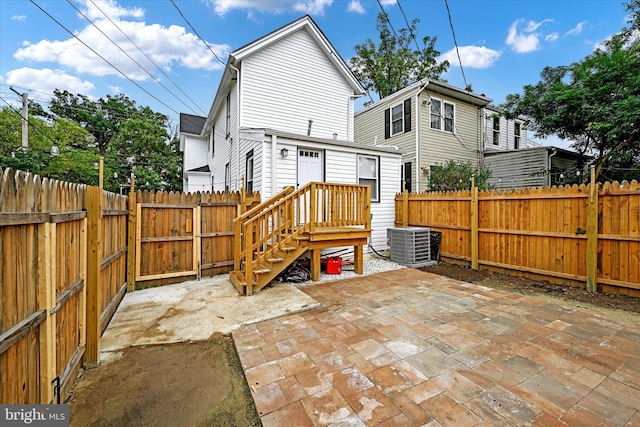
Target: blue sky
<point>503,44</point>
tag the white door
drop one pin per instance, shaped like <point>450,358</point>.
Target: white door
<point>309,166</point>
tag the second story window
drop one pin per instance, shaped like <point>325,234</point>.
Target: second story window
<point>516,135</point>
<point>442,115</point>
<point>397,119</point>
<point>228,128</point>
<point>496,130</point>
<point>249,171</point>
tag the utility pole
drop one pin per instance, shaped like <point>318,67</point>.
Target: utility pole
<point>25,117</point>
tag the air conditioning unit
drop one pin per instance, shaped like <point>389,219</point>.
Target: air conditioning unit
<point>410,246</point>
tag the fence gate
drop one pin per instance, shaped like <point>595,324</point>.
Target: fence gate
<point>166,240</point>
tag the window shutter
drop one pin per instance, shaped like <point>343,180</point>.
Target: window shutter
<point>407,115</point>
<point>387,123</point>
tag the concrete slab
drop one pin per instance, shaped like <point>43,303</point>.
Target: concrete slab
<point>193,311</point>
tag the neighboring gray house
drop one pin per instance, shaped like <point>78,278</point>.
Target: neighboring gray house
<point>431,121</point>
<point>283,116</point>
<point>532,167</point>
<point>196,175</point>
<point>504,134</point>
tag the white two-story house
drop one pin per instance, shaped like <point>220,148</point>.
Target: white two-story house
<point>283,115</point>
<point>434,122</point>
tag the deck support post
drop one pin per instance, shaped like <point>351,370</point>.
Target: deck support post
<point>358,259</point>
<point>315,265</point>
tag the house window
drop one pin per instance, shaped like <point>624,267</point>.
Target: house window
<point>227,177</point>
<point>212,140</point>
<point>228,128</point>
<point>368,172</point>
<point>397,119</point>
<point>442,115</point>
<point>496,130</point>
<point>249,169</point>
<point>516,135</point>
<point>448,117</point>
<point>406,174</point>
<point>213,184</point>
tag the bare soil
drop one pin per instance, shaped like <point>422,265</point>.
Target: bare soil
<point>619,307</point>
<point>186,384</point>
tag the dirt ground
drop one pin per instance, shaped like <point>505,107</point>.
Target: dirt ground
<point>202,383</point>
<point>186,384</point>
<point>619,307</point>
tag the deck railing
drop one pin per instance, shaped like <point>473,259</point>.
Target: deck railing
<point>273,226</point>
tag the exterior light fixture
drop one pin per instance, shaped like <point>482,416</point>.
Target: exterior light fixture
<point>54,150</point>
<point>284,153</point>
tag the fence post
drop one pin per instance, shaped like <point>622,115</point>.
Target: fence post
<point>474,224</point>
<point>405,208</point>
<point>131,239</point>
<point>47,301</point>
<point>592,234</point>
<point>94,288</point>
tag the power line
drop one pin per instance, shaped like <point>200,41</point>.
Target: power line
<point>129,56</point>
<point>455,42</point>
<point>413,36</point>
<point>102,57</point>
<point>196,33</point>
<point>149,58</point>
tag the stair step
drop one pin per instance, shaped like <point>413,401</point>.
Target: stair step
<point>288,248</point>
<point>261,269</point>
<point>274,260</point>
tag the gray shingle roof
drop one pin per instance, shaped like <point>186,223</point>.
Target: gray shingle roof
<point>191,124</point>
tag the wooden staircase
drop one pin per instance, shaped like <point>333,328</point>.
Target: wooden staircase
<point>269,237</point>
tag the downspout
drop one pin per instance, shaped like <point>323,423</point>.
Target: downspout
<point>274,165</point>
<point>350,113</point>
<point>554,152</point>
<point>237,125</point>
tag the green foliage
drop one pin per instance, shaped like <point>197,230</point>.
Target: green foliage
<point>595,102</point>
<point>455,175</point>
<point>131,139</point>
<point>394,64</point>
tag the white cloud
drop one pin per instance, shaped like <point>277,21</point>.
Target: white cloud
<point>551,37</point>
<point>94,10</point>
<point>46,80</point>
<point>388,2</point>
<point>355,6</point>
<point>527,40</point>
<point>116,90</point>
<point>472,56</point>
<point>313,7</point>
<point>20,18</point>
<point>166,46</point>
<point>577,29</point>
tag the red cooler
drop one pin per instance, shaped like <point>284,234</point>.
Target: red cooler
<point>334,265</point>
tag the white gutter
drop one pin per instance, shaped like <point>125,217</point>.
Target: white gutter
<point>237,125</point>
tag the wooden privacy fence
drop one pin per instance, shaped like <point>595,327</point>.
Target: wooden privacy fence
<point>181,236</point>
<point>587,235</point>
<point>53,309</point>
<point>68,255</point>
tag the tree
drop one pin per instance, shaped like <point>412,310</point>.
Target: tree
<point>132,139</point>
<point>394,64</point>
<point>456,175</point>
<point>595,102</point>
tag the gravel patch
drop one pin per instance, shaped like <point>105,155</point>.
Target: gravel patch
<point>371,265</point>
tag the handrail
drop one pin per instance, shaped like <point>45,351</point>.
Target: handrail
<point>284,192</point>
<point>268,227</point>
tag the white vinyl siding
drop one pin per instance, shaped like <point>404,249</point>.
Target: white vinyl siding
<point>291,82</point>
<point>195,152</point>
<point>225,146</point>
<point>197,181</point>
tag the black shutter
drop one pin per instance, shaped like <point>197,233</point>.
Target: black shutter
<point>387,123</point>
<point>407,115</point>
<point>407,176</point>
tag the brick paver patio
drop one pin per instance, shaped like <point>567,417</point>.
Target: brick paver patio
<point>408,348</point>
